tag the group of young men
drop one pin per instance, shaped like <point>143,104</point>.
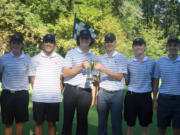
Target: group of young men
<point>49,74</point>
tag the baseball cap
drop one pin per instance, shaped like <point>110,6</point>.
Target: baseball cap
<point>16,38</point>
<point>110,37</point>
<point>173,40</point>
<point>49,37</point>
<point>85,34</point>
<point>139,41</point>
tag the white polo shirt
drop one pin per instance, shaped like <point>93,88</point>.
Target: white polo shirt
<point>15,71</point>
<point>75,58</point>
<point>117,64</point>
<point>47,72</point>
<point>169,72</point>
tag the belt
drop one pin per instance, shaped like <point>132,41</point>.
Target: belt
<point>137,93</point>
<point>172,97</point>
<point>110,91</point>
<point>78,88</point>
<point>13,92</point>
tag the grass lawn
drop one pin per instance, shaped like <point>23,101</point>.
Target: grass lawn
<point>28,127</point>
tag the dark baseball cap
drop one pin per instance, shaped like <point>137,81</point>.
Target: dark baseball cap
<point>16,38</point>
<point>85,34</point>
<point>173,40</point>
<point>49,37</point>
<point>110,37</point>
<point>139,41</point>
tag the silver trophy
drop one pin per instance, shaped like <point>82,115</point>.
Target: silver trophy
<point>91,68</point>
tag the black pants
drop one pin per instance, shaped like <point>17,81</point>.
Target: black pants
<point>79,99</point>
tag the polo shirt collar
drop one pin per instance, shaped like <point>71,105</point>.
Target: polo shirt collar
<point>114,54</point>
<point>144,59</point>
<point>44,55</point>
<point>21,56</point>
<point>80,51</point>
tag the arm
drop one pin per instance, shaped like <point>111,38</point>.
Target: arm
<point>117,76</point>
<point>127,79</point>
<point>1,70</point>
<point>127,82</point>
<point>0,77</point>
<point>61,83</point>
<point>93,94</point>
<point>68,72</point>
<point>155,84</point>
<point>155,91</point>
<point>32,78</point>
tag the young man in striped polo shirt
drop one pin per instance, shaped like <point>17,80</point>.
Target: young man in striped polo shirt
<point>78,90</point>
<point>14,67</point>
<point>138,101</point>
<point>112,65</point>
<point>168,103</point>
<point>45,79</point>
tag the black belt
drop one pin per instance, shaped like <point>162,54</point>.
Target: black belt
<point>13,92</point>
<point>137,93</point>
<point>168,96</point>
<point>78,88</point>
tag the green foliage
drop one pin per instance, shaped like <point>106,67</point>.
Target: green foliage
<point>156,44</point>
<point>165,13</point>
<point>16,18</point>
<point>33,19</point>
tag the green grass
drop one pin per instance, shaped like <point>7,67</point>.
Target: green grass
<point>93,121</point>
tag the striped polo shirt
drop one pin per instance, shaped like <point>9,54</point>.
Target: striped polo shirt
<point>140,74</point>
<point>47,72</point>
<point>15,71</point>
<point>74,58</point>
<point>117,64</point>
<point>169,72</point>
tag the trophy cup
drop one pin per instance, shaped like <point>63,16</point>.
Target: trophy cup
<point>90,77</point>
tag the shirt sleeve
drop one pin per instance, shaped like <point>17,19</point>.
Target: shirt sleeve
<point>1,65</point>
<point>32,67</point>
<point>156,70</point>
<point>28,62</point>
<point>68,60</point>
<point>123,65</point>
<point>61,65</point>
<point>153,68</point>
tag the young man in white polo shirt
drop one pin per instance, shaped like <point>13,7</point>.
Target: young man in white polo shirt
<point>168,103</point>
<point>14,67</point>
<point>45,79</point>
<point>112,65</point>
<point>138,100</point>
